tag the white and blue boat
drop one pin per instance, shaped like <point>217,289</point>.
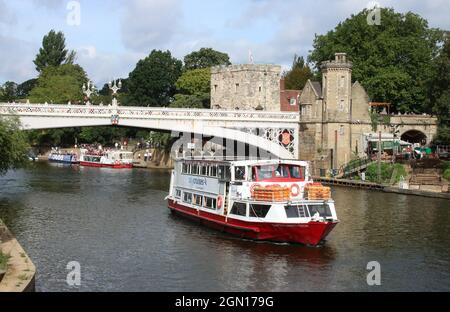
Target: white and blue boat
<point>66,158</point>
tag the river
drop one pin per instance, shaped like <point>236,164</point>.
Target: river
<point>116,224</point>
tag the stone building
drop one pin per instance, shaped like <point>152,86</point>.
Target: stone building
<point>246,87</point>
<point>335,118</point>
<point>334,113</point>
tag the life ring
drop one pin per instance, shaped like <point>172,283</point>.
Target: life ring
<point>219,202</point>
<point>295,190</point>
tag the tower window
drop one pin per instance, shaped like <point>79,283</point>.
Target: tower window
<point>236,87</point>
<point>215,88</point>
<point>341,130</point>
<point>342,81</point>
<point>341,105</point>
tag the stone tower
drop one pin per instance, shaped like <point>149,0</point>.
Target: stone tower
<point>336,87</point>
<point>337,95</point>
<point>246,87</point>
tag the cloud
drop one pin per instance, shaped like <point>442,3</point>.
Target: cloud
<point>102,67</point>
<point>7,16</point>
<point>147,24</point>
<point>49,4</point>
<point>16,59</point>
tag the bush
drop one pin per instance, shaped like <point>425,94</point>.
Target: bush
<point>386,172</point>
<point>3,261</point>
<point>445,165</point>
<point>446,174</point>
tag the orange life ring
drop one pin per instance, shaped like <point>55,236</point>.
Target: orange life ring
<point>219,202</point>
<point>297,189</point>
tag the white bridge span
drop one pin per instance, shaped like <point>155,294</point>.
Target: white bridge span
<point>275,132</point>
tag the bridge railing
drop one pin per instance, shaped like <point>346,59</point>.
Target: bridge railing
<point>144,112</point>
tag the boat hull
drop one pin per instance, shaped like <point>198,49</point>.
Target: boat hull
<point>102,165</point>
<point>311,233</point>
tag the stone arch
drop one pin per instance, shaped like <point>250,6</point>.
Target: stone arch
<point>414,136</point>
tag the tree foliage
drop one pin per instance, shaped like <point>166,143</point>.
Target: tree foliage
<point>153,80</point>
<point>8,91</point>
<point>393,61</point>
<point>205,57</point>
<point>59,84</point>
<point>298,75</point>
<point>13,144</point>
<point>195,82</point>
<point>53,51</point>
<point>24,89</point>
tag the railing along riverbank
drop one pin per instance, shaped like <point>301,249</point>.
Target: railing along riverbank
<point>379,187</point>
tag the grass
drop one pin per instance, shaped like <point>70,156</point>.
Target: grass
<point>3,260</point>
<point>446,174</point>
<point>386,172</point>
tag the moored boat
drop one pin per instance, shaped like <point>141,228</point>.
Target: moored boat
<point>116,159</point>
<point>65,158</point>
<point>272,200</point>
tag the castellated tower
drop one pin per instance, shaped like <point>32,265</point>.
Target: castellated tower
<point>337,95</point>
<point>336,88</point>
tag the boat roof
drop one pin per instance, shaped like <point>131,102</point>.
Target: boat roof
<point>244,162</point>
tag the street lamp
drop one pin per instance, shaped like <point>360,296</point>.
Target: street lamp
<point>88,90</point>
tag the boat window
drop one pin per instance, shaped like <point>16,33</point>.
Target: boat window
<point>323,210</point>
<point>204,170</point>
<point>194,169</point>
<point>296,211</point>
<point>198,199</point>
<point>224,172</point>
<point>281,172</point>
<point>184,168</point>
<point>187,198</point>
<point>265,172</point>
<point>239,209</point>
<point>258,211</point>
<point>213,171</point>
<point>297,172</point>
<point>178,193</point>
<point>239,173</point>
<point>210,203</point>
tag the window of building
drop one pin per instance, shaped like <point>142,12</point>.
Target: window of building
<point>258,211</point>
<point>341,105</point>
<point>341,130</point>
<point>236,87</point>
<point>215,88</point>
<point>342,81</point>
<point>260,89</point>
<point>292,101</point>
<point>178,193</point>
<point>239,209</point>
<point>210,203</point>
<point>194,169</point>
<point>187,197</point>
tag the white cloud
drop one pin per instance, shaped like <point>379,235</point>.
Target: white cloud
<point>147,24</point>
<point>16,59</point>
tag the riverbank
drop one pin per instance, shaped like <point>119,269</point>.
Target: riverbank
<point>379,187</point>
<point>20,270</point>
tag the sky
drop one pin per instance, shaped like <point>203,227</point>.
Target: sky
<point>110,36</point>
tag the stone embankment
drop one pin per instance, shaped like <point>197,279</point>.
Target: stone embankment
<point>20,271</point>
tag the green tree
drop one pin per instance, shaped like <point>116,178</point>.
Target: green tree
<point>195,82</point>
<point>13,144</point>
<point>393,61</point>
<point>153,80</point>
<point>59,84</point>
<point>9,93</point>
<point>53,51</point>
<point>205,57</point>
<point>24,89</point>
<point>298,75</point>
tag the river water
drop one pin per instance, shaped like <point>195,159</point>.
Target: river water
<point>116,224</point>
